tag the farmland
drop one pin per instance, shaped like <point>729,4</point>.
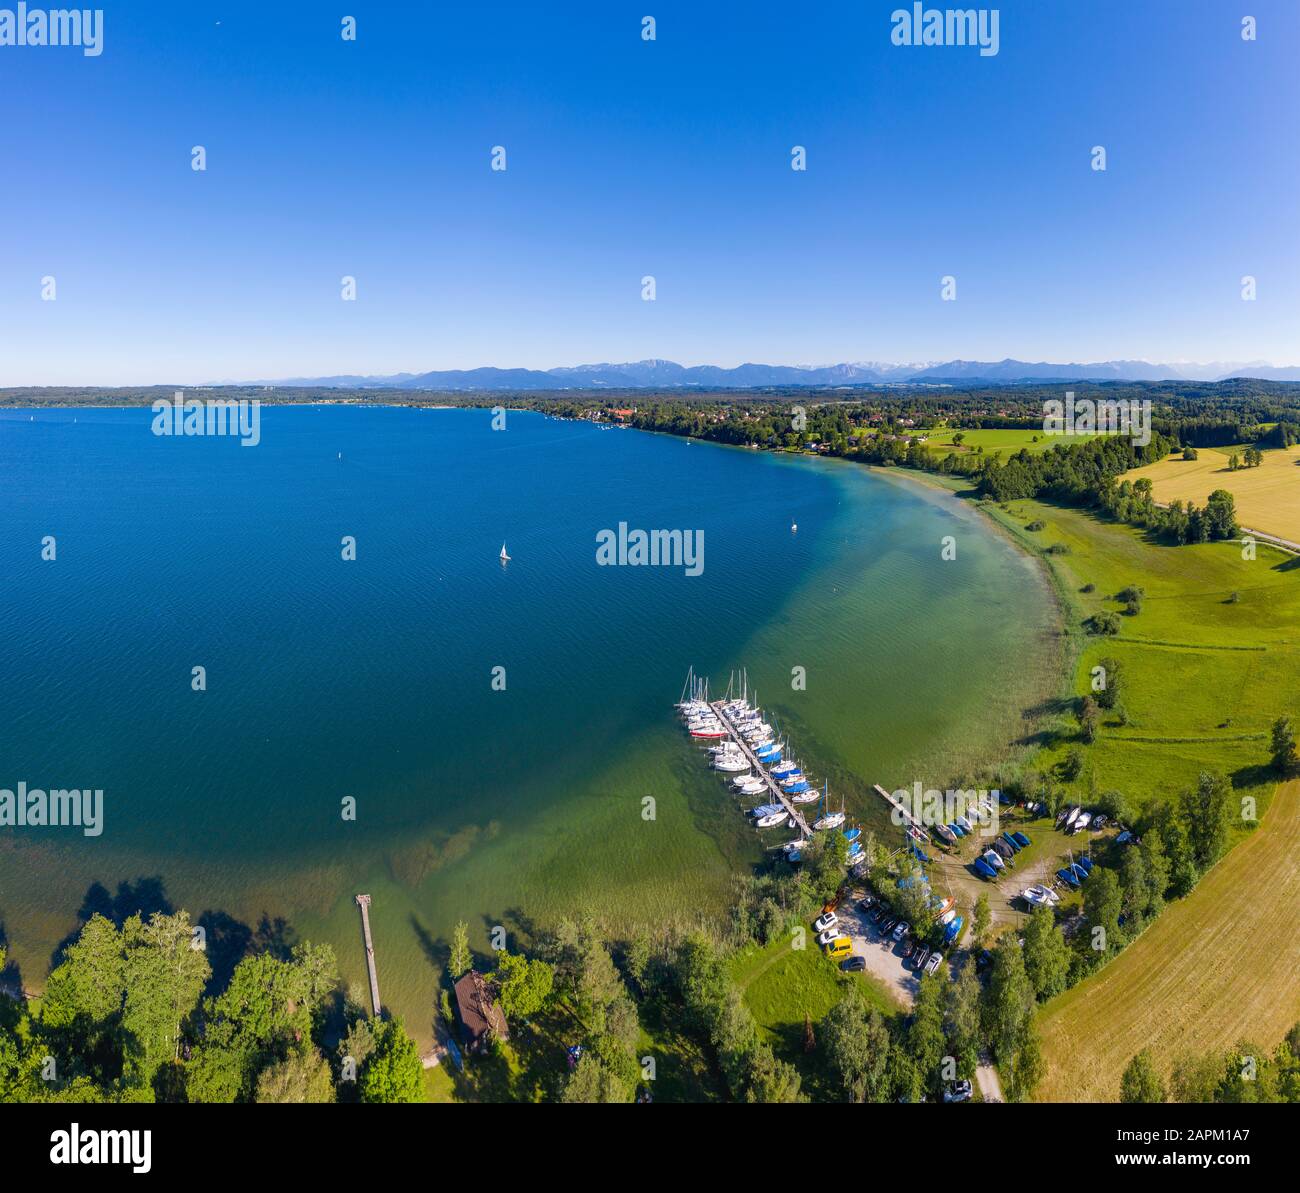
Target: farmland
<point>1268,496</point>
<point>1215,969</point>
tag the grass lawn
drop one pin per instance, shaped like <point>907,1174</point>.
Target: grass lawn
<point>1268,497</point>
<point>1215,969</point>
<point>781,984</point>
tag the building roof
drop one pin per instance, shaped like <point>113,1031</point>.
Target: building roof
<point>478,1010</point>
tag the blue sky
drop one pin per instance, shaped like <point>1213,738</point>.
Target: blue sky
<point>627,158</point>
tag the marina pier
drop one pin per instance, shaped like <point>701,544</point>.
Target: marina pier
<point>719,707</point>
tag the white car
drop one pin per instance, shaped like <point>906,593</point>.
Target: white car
<point>829,920</point>
<point>936,960</point>
<point>829,935</point>
<point>902,930</point>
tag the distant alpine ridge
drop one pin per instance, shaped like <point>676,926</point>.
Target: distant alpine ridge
<point>666,374</point>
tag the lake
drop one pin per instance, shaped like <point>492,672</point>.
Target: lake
<point>495,728</point>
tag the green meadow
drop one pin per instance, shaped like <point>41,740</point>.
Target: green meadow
<point>1008,442</point>
<point>1209,662</point>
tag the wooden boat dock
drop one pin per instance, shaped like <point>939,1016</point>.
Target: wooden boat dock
<point>907,817</point>
<point>773,786</point>
<point>363,901</point>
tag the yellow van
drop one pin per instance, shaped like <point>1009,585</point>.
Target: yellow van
<point>841,946</point>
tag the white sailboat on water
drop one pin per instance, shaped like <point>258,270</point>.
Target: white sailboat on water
<point>504,557</point>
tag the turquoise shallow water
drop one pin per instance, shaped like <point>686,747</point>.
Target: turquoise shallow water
<point>371,679</point>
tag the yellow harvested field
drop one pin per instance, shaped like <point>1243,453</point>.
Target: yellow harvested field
<point>1268,497</point>
<point>1215,968</point>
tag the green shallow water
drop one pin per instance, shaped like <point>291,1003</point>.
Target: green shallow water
<point>371,679</point>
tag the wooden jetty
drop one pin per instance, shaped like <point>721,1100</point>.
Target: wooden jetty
<point>907,816</point>
<point>363,901</point>
<point>773,786</point>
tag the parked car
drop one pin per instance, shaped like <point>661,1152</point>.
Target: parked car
<point>901,929</point>
<point>936,960</point>
<point>887,924</point>
<point>877,913</point>
<point>959,1091</point>
<point>853,964</point>
<point>829,935</point>
<point>922,953</point>
<point>841,946</point>
<point>867,903</point>
<point>909,946</point>
<point>822,922</point>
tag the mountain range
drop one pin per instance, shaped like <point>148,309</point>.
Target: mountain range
<point>666,374</point>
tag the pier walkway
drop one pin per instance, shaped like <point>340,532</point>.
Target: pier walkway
<point>908,818</point>
<point>363,901</point>
<point>772,785</point>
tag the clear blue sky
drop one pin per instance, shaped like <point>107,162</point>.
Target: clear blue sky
<point>628,158</point>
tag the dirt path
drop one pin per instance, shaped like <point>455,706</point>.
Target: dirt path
<point>1217,967</point>
<point>986,1077</point>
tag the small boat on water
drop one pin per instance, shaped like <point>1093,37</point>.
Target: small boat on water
<point>830,820</point>
<point>798,788</point>
<point>786,770</point>
<point>504,557</point>
<point>753,787</point>
<point>773,819</point>
<point>806,797</point>
<point>731,764</point>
